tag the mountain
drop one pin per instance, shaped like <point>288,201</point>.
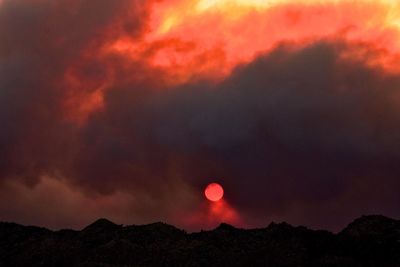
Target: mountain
<point>369,241</point>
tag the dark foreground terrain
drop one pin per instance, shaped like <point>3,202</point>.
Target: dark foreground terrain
<point>368,241</point>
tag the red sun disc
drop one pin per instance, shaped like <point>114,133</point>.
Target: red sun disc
<point>214,192</point>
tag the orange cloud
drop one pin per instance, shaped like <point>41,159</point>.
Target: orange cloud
<point>206,39</point>
<point>209,38</point>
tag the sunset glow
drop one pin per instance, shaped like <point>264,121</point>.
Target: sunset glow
<point>293,106</point>
<point>209,38</point>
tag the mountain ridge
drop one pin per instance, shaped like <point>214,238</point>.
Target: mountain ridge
<point>372,240</point>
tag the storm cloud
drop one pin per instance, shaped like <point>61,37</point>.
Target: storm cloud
<point>301,133</point>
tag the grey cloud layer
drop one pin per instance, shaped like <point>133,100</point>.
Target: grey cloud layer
<point>298,134</point>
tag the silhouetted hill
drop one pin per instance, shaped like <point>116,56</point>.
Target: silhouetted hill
<point>370,241</point>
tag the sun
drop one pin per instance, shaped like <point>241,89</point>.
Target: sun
<point>214,192</point>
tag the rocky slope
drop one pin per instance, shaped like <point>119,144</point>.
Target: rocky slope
<point>370,241</point>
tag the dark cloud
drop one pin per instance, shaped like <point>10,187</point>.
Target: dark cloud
<point>296,129</point>
<point>40,41</point>
<point>300,134</point>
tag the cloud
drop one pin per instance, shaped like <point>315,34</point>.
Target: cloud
<point>306,133</point>
<point>41,40</point>
<point>295,129</point>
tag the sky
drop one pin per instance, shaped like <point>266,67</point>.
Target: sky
<point>128,109</point>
